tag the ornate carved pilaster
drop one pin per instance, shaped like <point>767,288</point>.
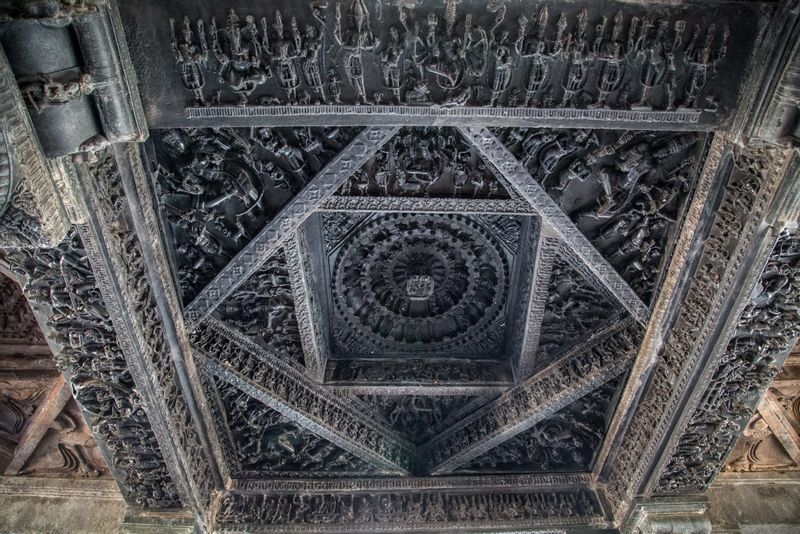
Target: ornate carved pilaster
<point>727,248</point>
<point>659,517</point>
<point>129,283</point>
<point>31,199</point>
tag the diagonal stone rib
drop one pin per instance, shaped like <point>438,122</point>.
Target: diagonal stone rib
<point>297,210</point>
<point>495,153</point>
<point>545,256</point>
<point>603,357</point>
<point>248,367</point>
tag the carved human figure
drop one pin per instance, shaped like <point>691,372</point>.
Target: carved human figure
<point>577,58</point>
<point>610,53</point>
<point>539,51</point>
<point>238,52</point>
<point>191,57</point>
<point>286,52</point>
<point>502,74</point>
<point>311,54</point>
<point>703,60</point>
<point>359,38</point>
<point>652,59</point>
<point>391,64</point>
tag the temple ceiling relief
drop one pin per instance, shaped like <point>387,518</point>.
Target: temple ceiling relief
<point>422,321</point>
<point>451,55</point>
<point>42,430</point>
<point>382,265</point>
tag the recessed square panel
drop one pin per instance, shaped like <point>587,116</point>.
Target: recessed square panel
<point>419,285</point>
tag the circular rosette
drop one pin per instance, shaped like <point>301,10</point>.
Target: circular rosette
<point>420,282</point>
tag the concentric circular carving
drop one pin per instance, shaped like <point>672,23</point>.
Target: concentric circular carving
<point>417,282</point>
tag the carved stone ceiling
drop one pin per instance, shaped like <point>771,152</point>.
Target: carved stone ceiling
<point>42,431</point>
<point>423,286</point>
<point>430,248</point>
<point>418,320</point>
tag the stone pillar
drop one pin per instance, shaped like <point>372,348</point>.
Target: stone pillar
<point>668,516</point>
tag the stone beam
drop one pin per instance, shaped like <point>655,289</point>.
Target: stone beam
<point>129,285</point>
<point>374,484</point>
<point>51,405</point>
<point>287,390</point>
<point>413,510</point>
<point>752,344</point>
<point>752,200</point>
<point>544,258</point>
<point>306,309</point>
<point>297,210</point>
<point>143,220</point>
<point>497,155</point>
<point>669,297</point>
<point>426,205</point>
<point>578,372</point>
<point>438,116</point>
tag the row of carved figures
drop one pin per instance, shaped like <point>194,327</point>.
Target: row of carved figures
<point>402,507</point>
<point>635,62</point>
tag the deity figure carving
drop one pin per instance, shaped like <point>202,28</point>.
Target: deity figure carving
<point>610,53</point>
<point>191,57</point>
<point>440,56</point>
<point>357,39</point>
<point>313,57</point>
<point>703,60</point>
<point>577,57</point>
<point>540,53</point>
<point>238,50</point>
<point>286,52</point>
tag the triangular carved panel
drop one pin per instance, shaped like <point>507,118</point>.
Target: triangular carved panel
<point>566,441</point>
<point>426,162</point>
<point>624,190</point>
<point>418,418</point>
<point>573,312</point>
<point>219,187</point>
<point>266,443</point>
<point>263,309</point>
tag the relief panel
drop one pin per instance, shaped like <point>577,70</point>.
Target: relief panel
<point>624,190</point>
<point>426,162</point>
<point>566,441</point>
<point>268,444</point>
<point>263,309</point>
<point>219,187</point>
